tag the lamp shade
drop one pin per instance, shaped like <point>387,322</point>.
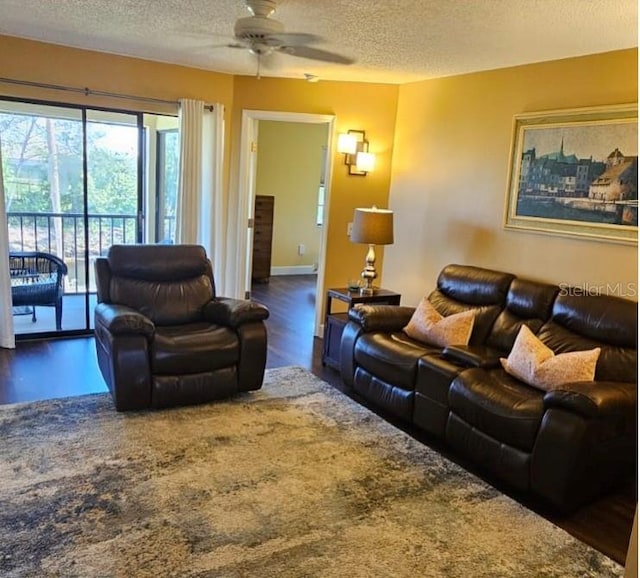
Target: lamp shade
<point>365,161</point>
<point>372,226</point>
<point>347,143</point>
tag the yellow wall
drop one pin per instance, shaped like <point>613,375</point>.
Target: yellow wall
<point>452,140</point>
<point>51,64</point>
<point>369,107</point>
<point>450,166</point>
<point>289,168</point>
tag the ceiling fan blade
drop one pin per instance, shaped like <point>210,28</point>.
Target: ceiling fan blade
<point>206,48</point>
<point>316,54</point>
<point>293,38</point>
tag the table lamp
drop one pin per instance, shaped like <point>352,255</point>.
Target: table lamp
<point>371,226</point>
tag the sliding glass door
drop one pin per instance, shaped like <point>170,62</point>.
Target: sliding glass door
<point>73,180</point>
<point>78,180</point>
<point>114,186</point>
<point>167,160</point>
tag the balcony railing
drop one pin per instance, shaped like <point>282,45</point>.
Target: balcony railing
<point>63,234</point>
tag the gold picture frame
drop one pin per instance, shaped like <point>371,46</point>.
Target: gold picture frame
<point>575,173</point>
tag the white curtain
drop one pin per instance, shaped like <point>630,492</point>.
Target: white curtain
<point>7,337</point>
<point>201,211</point>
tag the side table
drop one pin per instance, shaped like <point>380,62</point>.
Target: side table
<point>334,323</point>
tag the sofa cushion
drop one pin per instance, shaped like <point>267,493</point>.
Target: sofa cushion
<point>428,326</point>
<point>158,262</point>
<point>586,322</point>
<point>528,303</point>
<point>193,348</point>
<point>474,285</point>
<point>534,363</point>
<point>170,284</point>
<point>392,357</point>
<point>602,318</point>
<point>498,405</point>
<point>461,288</point>
<point>167,302</point>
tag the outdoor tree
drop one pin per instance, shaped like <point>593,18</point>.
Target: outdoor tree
<point>42,163</point>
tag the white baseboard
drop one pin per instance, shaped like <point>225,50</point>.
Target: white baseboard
<point>294,270</point>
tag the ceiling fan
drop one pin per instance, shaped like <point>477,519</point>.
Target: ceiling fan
<point>263,35</point>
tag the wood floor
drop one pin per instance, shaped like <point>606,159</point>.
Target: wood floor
<point>65,367</point>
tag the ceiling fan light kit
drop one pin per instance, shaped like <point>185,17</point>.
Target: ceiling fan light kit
<point>257,28</point>
<point>261,7</point>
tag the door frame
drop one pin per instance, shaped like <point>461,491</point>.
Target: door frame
<point>246,196</point>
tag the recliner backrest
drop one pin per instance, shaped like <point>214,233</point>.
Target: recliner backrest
<point>170,284</point>
<point>580,322</point>
<point>527,303</point>
<point>463,287</point>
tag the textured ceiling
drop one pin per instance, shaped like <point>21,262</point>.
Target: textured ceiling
<point>395,41</point>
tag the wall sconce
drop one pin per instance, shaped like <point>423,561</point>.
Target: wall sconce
<point>355,148</point>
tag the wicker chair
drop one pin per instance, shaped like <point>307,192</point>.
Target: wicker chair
<point>36,279</point>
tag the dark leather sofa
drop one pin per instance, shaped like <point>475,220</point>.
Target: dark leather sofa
<point>567,445</point>
<point>163,337</point>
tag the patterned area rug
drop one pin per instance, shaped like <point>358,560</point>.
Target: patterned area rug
<point>295,480</point>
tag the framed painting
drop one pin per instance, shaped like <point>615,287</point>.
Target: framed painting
<point>575,173</point>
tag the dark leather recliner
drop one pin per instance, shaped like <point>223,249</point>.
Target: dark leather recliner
<point>162,336</point>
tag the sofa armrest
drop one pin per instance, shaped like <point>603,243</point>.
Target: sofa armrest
<point>473,355</point>
<point>234,312</point>
<point>381,317</point>
<point>595,398</point>
<point>122,320</point>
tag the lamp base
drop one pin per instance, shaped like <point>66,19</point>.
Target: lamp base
<point>369,272</point>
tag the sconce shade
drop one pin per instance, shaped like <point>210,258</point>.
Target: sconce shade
<point>347,143</point>
<point>365,161</point>
<point>372,226</point>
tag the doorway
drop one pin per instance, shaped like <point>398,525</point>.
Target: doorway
<point>250,150</point>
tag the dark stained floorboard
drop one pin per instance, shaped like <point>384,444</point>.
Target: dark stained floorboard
<point>66,367</point>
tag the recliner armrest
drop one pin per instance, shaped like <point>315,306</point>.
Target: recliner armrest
<point>234,312</point>
<point>122,320</point>
<point>381,317</point>
<point>473,355</point>
<point>595,398</point>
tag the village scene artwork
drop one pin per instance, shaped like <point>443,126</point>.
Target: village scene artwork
<point>583,174</point>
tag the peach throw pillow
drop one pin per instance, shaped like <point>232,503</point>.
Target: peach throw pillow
<point>534,363</point>
<point>427,325</point>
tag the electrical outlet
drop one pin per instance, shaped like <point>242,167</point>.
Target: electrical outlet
<point>301,249</point>
<point>349,227</point>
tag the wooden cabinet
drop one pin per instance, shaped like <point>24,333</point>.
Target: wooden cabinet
<point>262,235</point>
